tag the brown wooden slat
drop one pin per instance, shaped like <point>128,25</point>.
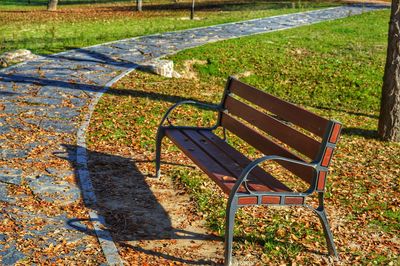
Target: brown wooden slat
<point>243,161</point>
<point>222,177</point>
<point>275,128</point>
<point>266,146</point>
<point>207,164</point>
<point>288,111</point>
<point>234,167</point>
<point>218,156</point>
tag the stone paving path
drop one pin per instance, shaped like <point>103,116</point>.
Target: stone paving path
<point>45,110</point>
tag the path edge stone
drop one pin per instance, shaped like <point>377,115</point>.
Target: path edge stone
<point>107,244</point>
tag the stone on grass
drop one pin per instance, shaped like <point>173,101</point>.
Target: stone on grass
<point>163,68</point>
<point>16,56</point>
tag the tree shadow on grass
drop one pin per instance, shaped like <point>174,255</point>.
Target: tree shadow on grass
<point>353,131</point>
<point>366,133</point>
<point>346,111</point>
<point>131,210</point>
<point>65,85</point>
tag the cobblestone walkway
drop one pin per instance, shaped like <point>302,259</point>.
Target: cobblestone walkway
<point>45,107</point>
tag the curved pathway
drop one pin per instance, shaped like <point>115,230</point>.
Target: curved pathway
<point>45,110</point>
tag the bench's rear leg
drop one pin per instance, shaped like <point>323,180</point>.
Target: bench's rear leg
<point>229,223</point>
<point>160,136</point>
<point>320,211</point>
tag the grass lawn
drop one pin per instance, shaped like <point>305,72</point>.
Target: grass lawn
<point>74,26</point>
<point>333,68</point>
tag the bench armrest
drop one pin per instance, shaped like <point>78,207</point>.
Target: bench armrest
<point>173,107</point>
<point>246,171</point>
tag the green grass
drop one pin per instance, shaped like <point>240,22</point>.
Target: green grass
<point>320,66</point>
<point>47,33</point>
<point>334,69</point>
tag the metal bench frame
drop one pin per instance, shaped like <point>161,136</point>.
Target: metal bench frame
<point>239,199</point>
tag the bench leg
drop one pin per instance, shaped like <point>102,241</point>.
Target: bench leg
<point>320,211</point>
<point>160,136</point>
<point>229,222</point>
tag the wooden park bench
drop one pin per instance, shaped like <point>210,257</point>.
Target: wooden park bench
<point>280,135</point>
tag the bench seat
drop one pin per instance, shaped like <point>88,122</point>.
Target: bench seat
<point>221,162</point>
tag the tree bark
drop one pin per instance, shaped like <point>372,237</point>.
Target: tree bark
<point>389,119</point>
<point>192,11</point>
<point>139,5</point>
<point>52,5</point>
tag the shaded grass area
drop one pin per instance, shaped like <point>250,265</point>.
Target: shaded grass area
<point>30,3</point>
<point>79,26</point>
<point>334,69</point>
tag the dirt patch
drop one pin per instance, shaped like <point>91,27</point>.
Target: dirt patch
<point>243,74</point>
<point>188,71</point>
<point>152,221</point>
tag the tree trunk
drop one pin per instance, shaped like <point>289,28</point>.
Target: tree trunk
<point>192,11</point>
<point>52,5</point>
<point>139,5</point>
<point>389,119</point>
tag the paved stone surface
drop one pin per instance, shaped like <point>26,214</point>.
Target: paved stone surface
<point>41,111</point>
<point>10,176</point>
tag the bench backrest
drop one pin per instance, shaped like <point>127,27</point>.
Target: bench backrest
<point>291,131</point>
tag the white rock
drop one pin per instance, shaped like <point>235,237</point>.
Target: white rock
<point>16,56</point>
<point>163,68</point>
